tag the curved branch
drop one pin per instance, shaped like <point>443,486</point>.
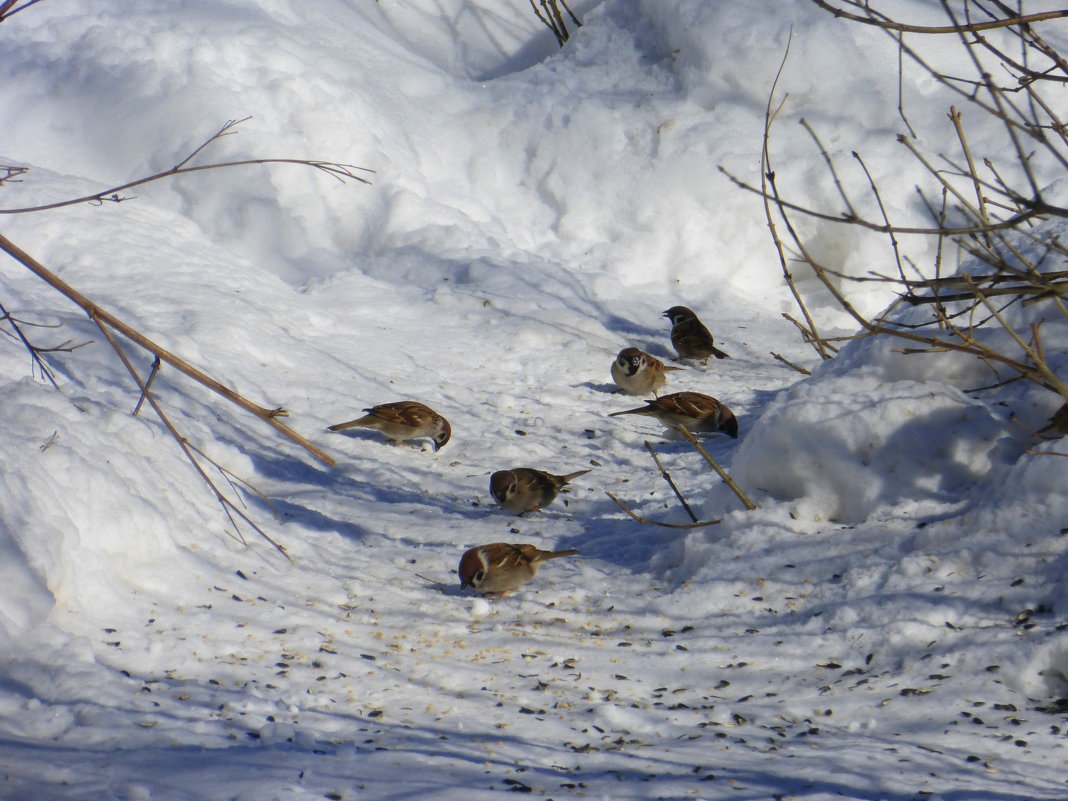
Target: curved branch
<point>338,171</point>
<point>6,10</point>
<point>332,168</point>
<point>882,228</point>
<point>890,25</point>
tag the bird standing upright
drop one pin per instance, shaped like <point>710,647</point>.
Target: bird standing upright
<point>692,410</point>
<point>638,373</point>
<point>402,421</point>
<point>525,489</point>
<point>501,567</point>
<point>689,336</point>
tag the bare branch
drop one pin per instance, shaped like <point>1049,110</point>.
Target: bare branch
<point>671,483</point>
<point>719,470</point>
<point>341,172</point>
<point>647,521</point>
<point>12,174</point>
<point>7,4</point>
<point>1024,19</point>
<point>767,179</point>
<point>229,507</point>
<point>35,352</point>
<point>790,364</point>
<point>269,416</point>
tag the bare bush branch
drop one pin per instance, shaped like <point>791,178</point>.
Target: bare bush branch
<point>767,191</point>
<point>872,18</point>
<point>6,10</point>
<point>12,174</point>
<point>671,483</point>
<point>634,515</point>
<point>341,172</point>
<point>229,507</point>
<point>983,211</point>
<point>553,19</point>
<point>101,316</point>
<point>109,323</point>
<point>697,446</point>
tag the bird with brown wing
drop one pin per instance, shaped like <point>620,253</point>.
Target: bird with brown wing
<point>501,567</point>
<point>639,373</point>
<point>1058,424</point>
<point>525,489</point>
<point>693,411</point>
<point>402,421</point>
<point>689,336</point>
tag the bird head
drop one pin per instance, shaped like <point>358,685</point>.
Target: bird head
<point>443,436</point>
<point>472,569</point>
<point>503,485</point>
<point>678,314</point>
<point>630,360</point>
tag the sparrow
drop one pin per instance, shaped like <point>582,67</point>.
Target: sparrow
<point>696,412</point>
<point>1057,426</point>
<point>401,421</point>
<point>638,373</point>
<point>501,567</point>
<point>524,489</point>
<point>690,337</point>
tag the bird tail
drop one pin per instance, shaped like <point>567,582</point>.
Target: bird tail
<point>719,354</point>
<point>343,426</point>
<point>572,476</point>
<point>558,554</point>
<point>641,410</point>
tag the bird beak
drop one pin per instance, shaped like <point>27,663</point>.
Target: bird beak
<point>443,438</point>
<point>731,427</point>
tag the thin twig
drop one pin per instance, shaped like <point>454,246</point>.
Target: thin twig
<point>235,481</point>
<point>335,170</point>
<point>228,506</point>
<point>341,172</point>
<point>35,355</point>
<point>549,23</point>
<point>1022,19</point>
<point>5,14</point>
<point>901,83</point>
<point>767,178</point>
<point>269,416</point>
<point>148,384</point>
<point>671,483</point>
<point>649,522</point>
<point>715,466</point>
<point>780,358</point>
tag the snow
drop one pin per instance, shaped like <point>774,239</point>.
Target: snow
<point>888,624</point>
